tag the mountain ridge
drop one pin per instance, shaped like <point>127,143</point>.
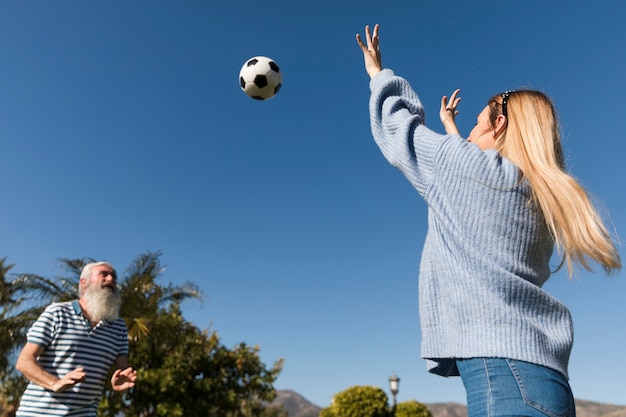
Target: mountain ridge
<point>298,406</point>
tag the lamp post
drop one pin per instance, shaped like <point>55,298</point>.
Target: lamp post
<point>394,382</point>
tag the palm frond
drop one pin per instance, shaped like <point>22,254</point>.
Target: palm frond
<point>138,328</point>
<point>177,294</point>
<point>74,266</point>
<point>146,264</point>
<point>44,289</point>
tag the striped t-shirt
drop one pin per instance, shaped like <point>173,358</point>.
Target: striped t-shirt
<point>70,342</point>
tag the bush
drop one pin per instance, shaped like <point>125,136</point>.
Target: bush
<point>412,409</point>
<point>359,401</point>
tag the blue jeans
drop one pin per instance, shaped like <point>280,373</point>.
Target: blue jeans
<point>498,387</point>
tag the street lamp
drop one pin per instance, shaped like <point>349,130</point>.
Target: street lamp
<point>394,381</point>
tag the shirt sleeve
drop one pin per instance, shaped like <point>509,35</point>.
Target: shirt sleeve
<point>44,328</point>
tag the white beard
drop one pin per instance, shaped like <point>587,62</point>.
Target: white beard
<point>102,303</point>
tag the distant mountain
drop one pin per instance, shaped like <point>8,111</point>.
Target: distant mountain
<point>583,409</point>
<point>593,409</point>
<point>447,409</point>
<point>295,404</point>
<point>298,406</point>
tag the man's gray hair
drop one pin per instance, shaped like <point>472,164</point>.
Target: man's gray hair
<point>86,272</point>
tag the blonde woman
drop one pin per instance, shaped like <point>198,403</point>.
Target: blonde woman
<point>498,204</point>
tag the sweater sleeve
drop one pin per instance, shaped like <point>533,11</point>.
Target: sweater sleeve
<point>397,123</point>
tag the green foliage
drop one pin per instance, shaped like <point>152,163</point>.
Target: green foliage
<point>12,328</point>
<point>327,412</point>
<point>412,409</point>
<point>274,411</point>
<point>367,401</point>
<point>182,370</point>
<point>359,401</point>
<point>6,328</point>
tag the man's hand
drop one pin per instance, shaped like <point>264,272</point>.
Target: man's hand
<point>69,380</point>
<point>123,379</point>
<point>28,365</point>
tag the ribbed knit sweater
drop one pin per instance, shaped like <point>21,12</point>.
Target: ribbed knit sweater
<point>487,249</point>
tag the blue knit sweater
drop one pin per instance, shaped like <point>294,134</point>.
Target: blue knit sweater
<point>487,248</point>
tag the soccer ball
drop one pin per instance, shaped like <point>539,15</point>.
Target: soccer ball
<point>260,78</point>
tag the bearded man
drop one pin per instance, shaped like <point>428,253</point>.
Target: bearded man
<point>72,347</point>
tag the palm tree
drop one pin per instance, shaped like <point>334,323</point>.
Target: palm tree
<point>142,297</point>
<point>36,292</point>
<point>6,305</point>
<point>12,330</point>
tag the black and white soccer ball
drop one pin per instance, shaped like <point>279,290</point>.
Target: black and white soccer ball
<point>260,78</point>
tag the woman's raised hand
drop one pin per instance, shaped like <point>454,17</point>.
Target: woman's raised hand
<point>371,51</point>
<point>448,111</point>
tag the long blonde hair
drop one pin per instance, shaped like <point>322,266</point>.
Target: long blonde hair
<point>531,140</point>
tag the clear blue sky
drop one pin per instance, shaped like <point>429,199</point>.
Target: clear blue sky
<point>123,130</point>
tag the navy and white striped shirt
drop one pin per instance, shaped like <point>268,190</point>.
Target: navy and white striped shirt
<point>70,342</point>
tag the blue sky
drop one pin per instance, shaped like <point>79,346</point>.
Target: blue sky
<point>123,130</point>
